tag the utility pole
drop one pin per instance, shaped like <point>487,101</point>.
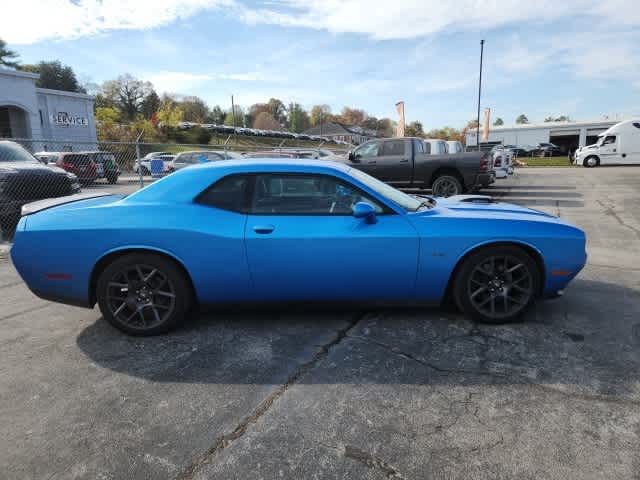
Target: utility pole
<point>479,94</point>
<point>233,112</point>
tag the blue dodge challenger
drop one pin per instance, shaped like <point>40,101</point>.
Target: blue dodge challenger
<point>274,230</point>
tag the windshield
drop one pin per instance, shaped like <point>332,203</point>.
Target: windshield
<point>402,199</point>
<point>12,152</point>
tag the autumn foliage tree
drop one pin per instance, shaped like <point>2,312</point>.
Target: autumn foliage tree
<point>265,121</point>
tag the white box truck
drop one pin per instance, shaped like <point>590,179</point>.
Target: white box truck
<point>619,145</point>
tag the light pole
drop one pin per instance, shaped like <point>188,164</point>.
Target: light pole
<point>479,93</point>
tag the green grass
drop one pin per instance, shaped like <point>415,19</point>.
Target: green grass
<point>546,161</point>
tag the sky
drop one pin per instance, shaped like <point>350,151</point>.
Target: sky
<point>579,58</point>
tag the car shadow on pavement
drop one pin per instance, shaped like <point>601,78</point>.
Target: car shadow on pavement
<point>589,339</point>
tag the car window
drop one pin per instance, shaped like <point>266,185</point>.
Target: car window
<point>610,139</point>
<point>286,194</point>
<point>77,159</point>
<point>418,146</point>
<point>636,124</point>
<point>367,150</point>
<point>393,147</point>
<point>229,193</point>
<point>427,148</point>
<point>12,152</point>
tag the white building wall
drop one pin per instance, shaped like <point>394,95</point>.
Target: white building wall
<point>18,89</point>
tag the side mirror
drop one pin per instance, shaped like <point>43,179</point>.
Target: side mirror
<point>366,211</point>
<point>354,157</point>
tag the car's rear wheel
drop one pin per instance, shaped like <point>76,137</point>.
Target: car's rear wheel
<point>112,179</point>
<point>145,171</point>
<point>446,186</point>
<point>143,294</point>
<point>591,161</point>
<point>496,284</point>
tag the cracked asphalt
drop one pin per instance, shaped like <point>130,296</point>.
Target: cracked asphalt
<point>328,393</point>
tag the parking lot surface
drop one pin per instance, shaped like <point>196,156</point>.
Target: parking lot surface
<point>327,393</point>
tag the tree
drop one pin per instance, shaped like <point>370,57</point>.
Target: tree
<point>194,109</point>
<point>352,116</point>
<point>370,123</point>
<point>216,115</point>
<point>298,118</point>
<point>56,76</point>
<point>561,118</point>
<point>278,110</point>
<point>7,56</point>
<point>170,114</point>
<point>320,113</point>
<point>127,93</point>
<point>107,115</point>
<point>265,121</point>
<point>239,117</point>
<point>498,122</point>
<point>386,127</point>
<point>150,105</point>
<point>414,129</point>
<point>522,119</point>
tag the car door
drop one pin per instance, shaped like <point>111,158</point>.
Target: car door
<point>303,242</point>
<point>609,150</point>
<point>394,163</point>
<point>365,157</point>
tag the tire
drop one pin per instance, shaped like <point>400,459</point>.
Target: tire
<point>112,179</point>
<point>496,284</point>
<point>145,171</point>
<point>143,294</point>
<point>591,161</point>
<point>446,186</point>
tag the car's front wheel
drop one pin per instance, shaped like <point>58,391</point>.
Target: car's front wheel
<point>143,294</point>
<point>591,161</point>
<point>496,284</point>
<point>446,186</point>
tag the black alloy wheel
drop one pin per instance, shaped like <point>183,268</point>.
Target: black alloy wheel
<point>446,186</point>
<point>143,294</point>
<point>497,284</point>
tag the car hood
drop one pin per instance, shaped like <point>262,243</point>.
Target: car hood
<point>28,167</point>
<point>480,206</point>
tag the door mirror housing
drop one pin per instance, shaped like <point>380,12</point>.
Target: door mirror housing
<point>365,211</point>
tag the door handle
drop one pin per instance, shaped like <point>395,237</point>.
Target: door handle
<point>406,160</point>
<point>264,229</point>
<point>371,162</point>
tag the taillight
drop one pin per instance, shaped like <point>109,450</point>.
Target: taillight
<point>67,166</point>
<point>484,163</point>
<point>498,162</point>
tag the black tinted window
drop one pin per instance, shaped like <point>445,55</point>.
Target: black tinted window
<point>12,152</point>
<point>636,124</point>
<point>229,193</point>
<point>393,147</point>
<point>305,195</point>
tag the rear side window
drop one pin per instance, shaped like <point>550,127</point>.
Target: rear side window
<point>418,146</point>
<point>75,159</point>
<point>229,193</point>
<point>393,147</point>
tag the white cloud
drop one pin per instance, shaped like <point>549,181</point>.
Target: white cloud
<point>182,82</point>
<point>31,21</point>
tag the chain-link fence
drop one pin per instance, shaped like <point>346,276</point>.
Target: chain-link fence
<point>36,169</point>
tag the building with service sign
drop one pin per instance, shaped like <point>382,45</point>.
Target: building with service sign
<point>50,119</point>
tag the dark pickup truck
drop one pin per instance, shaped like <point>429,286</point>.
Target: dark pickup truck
<point>408,163</point>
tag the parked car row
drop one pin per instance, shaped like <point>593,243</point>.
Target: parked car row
<point>87,166</point>
<point>212,127</point>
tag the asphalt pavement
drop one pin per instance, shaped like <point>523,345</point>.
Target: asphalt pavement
<point>328,393</point>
